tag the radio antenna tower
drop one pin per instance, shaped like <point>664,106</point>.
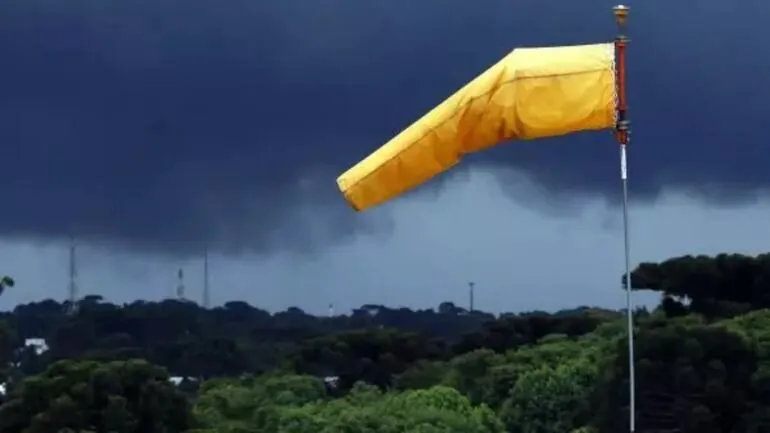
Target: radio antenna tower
<point>180,285</point>
<point>72,288</point>
<point>471,294</point>
<point>206,294</point>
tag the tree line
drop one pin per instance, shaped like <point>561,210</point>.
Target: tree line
<point>702,358</point>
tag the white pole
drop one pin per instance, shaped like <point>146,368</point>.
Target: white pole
<point>629,303</point>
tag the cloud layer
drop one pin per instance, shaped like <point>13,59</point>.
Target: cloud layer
<point>519,258</point>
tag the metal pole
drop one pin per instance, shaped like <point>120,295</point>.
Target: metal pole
<point>72,289</point>
<point>629,303</point>
<point>471,285</point>
<point>622,132</point>
<point>206,294</point>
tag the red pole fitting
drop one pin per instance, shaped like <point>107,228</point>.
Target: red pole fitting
<point>622,124</point>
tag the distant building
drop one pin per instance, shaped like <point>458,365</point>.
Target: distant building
<point>39,344</point>
<point>177,380</point>
<point>331,381</point>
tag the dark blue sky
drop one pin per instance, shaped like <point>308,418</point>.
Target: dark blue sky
<point>160,126</point>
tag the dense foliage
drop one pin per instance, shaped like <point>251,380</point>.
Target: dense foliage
<point>702,358</point>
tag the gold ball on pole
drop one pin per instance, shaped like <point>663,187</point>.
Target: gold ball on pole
<point>621,14</point>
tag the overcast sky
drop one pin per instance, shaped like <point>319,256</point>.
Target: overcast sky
<point>153,128</point>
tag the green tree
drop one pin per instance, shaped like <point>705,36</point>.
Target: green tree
<point>551,399</point>
<point>422,374</point>
<point>6,353</point>
<point>6,282</point>
<point>691,377</point>
<point>120,396</point>
<point>238,405</point>
<point>717,286</point>
<point>374,356</point>
<point>295,404</point>
<point>438,409</point>
<point>471,374</point>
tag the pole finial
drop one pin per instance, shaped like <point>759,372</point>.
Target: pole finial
<point>621,15</point>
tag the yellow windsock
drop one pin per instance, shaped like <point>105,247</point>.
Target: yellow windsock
<point>531,93</point>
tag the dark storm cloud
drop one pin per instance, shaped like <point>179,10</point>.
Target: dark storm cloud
<point>168,124</point>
